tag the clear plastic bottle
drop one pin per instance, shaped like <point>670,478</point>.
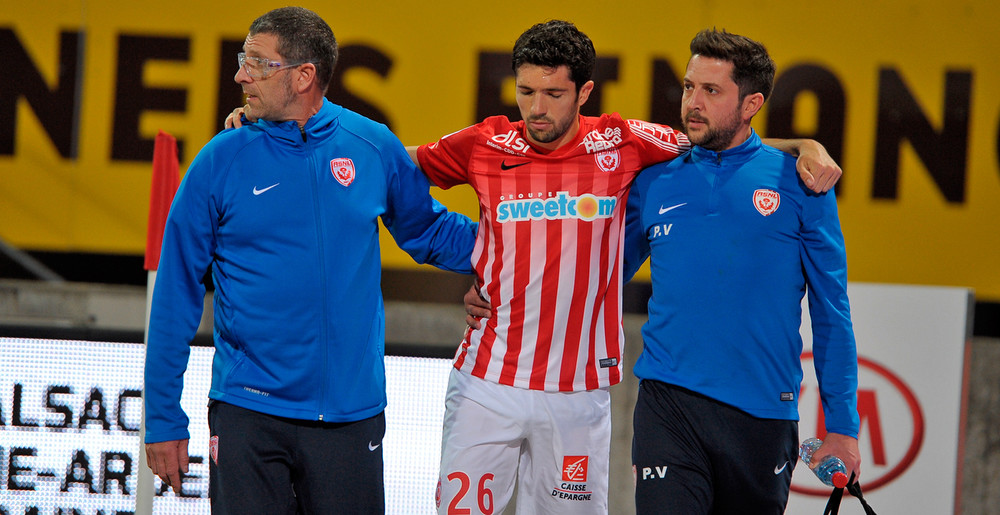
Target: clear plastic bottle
<point>831,471</point>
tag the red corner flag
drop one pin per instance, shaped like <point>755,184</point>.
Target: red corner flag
<point>166,179</point>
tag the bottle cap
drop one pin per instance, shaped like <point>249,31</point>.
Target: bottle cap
<point>839,480</point>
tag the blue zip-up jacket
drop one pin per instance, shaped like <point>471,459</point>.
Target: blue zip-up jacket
<point>287,221</point>
<point>735,240</point>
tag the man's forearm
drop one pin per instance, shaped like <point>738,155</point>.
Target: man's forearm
<point>413,155</point>
<point>788,146</point>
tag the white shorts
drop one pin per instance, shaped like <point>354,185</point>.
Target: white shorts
<point>555,444</point>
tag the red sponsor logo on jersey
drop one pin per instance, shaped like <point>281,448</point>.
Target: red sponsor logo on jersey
<point>512,140</point>
<point>574,468</point>
<point>213,449</point>
<point>766,201</point>
<point>609,160</point>
<point>342,169</point>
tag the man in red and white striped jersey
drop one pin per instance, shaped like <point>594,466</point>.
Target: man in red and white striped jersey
<point>528,399</point>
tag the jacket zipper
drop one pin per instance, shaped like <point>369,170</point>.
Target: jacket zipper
<point>713,199</point>
<point>320,240</point>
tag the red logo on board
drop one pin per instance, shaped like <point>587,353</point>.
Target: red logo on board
<point>892,425</point>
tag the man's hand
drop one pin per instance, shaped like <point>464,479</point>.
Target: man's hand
<point>476,307</point>
<point>168,460</point>
<point>843,447</point>
<point>818,170</point>
<point>233,121</point>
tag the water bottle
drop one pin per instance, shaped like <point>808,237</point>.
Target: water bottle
<point>831,471</point>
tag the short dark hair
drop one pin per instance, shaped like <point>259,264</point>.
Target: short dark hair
<point>556,43</point>
<point>753,68</point>
<point>303,37</point>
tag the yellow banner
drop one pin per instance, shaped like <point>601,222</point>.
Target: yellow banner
<point>906,96</point>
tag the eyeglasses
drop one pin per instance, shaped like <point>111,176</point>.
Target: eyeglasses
<point>260,68</point>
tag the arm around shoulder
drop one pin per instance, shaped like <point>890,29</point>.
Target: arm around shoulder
<point>816,167</point>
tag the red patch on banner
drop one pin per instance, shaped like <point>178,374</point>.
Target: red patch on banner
<point>343,170</point>
<point>574,468</point>
<point>766,201</point>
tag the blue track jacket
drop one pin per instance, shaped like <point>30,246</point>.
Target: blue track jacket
<point>287,221</point>
<point>735,240</point>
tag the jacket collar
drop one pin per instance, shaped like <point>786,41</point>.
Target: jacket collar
<point>318,126</point>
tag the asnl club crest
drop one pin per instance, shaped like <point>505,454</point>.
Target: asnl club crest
<point>609,160</point>
<point>766,201</point>
<point>342,169</point>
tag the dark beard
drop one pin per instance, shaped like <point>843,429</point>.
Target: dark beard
<point>715,138</point>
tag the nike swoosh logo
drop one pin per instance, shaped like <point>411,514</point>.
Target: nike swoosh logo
<point>372,447</point>
<point>505,166</point>
<point>258,192</point>
<point>779,470</point>
<point>665,209</point>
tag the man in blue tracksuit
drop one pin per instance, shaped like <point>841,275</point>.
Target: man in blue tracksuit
<point>285,215</point>
<point>735,240</point>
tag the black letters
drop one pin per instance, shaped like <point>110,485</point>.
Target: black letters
<point>665,106</point>
<point>606,70</point>
<point>14,469</point>
<point>944,153</point>
<point>128,394</point>
<point>230,94</point>
<point>63,409</point>
<point>15,412</point>
<point>116,467</point>
<point>94,409</point>
<point>832,107</point>
<point>132,97</point>
<point>362,56</point>
<point>494,67</point>
<point>57,109</point>
<point>78,473</point>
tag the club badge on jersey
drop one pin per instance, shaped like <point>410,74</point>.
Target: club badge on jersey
<point>342,169</point>
<point>609,160</point>
<point>766,201</point>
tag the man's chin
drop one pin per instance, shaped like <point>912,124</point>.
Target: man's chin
<point>543,137</point>
<point>697,137</point>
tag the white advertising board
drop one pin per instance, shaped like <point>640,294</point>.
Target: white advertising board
<point>912,357</point>
<point>69,429</point>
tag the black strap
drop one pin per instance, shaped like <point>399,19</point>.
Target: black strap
<point>854,488</point>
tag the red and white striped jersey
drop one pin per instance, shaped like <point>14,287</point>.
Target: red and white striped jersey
<point>549,252</point>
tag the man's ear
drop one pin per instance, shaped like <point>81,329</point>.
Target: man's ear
<point>306,76</point>
<point>751,105</point>
<point>585,90</point>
